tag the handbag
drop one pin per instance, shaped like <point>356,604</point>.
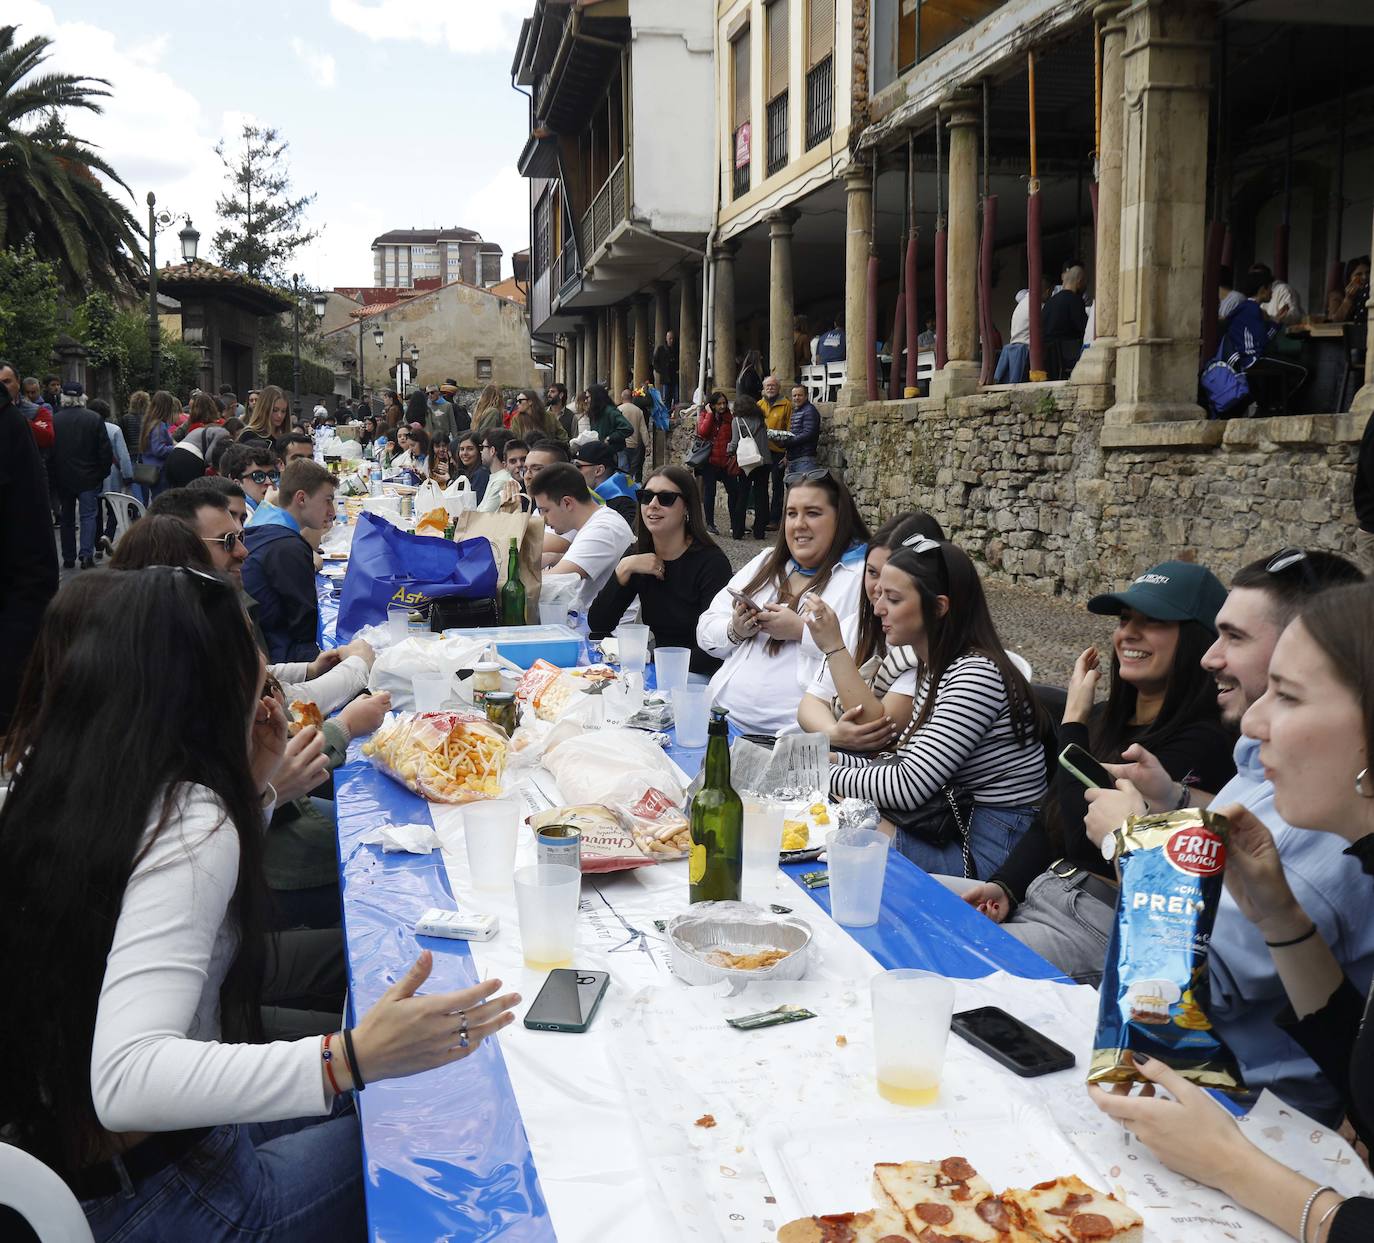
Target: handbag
<point>946,817</point>
<point>147,473</point>
<point>747,455</point>
<point>1224,386</point>
<point>699,454</point>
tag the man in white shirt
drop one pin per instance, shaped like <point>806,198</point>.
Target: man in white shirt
<point>599,535</point>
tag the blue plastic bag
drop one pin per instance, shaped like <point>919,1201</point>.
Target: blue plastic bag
<point>1225,388</point>
<point>390,566</point>
<point>662,416</point>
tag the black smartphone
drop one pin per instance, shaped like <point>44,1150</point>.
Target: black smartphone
<point>567,1001</point>
<point>1077,762</point>
<point>1010,1043</point>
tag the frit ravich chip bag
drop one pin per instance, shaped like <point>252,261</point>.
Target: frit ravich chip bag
<point>1155,993</point>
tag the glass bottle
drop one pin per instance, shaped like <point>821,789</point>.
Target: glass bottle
<point>717,823</point>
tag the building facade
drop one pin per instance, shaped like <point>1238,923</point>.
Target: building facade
<point>404,257</point>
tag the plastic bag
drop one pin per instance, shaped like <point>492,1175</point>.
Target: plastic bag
<point>459,496</point>
<point>420,656</point>
<point>350,450</point>
<point>429,497</point>
<point>615,766</point>
<point>558,597</point>
<point>446,757</point>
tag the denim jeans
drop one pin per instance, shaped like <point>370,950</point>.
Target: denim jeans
<point>1065,924</point>
<point>993,831</point>
<point>290,1182</point>
<point>87,502</point>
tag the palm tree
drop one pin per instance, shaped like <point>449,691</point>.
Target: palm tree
<point>49,190</point>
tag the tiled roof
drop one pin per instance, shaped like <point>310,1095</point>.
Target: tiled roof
<point>186,276</point>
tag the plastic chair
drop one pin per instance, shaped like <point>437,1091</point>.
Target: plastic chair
<point>834,379</point>
<point>41,1198</point>
<point>126,509</point>
<point>813,378</point>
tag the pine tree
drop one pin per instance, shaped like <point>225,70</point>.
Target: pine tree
<point>263,226</point>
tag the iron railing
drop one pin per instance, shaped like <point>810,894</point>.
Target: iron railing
<point>820,102</point>
<point>609,207</point>
<point>740,181</point>
<point>777,133</point>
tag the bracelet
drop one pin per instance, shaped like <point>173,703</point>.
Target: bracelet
<point>329,1064</point>
<point>832,651</point>
<point>1278,945</point>
<point>1324,1218</point>
<point>352,1057</point>
<point>1307,1212</point>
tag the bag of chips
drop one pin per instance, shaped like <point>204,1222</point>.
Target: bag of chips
<point>1155,989</point>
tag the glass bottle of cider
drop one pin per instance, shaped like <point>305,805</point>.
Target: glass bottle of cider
<point>717,823</point>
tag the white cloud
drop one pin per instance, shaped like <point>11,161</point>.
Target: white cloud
<point>500,212</point>
<point>469,27</point>
<point>319,65</point>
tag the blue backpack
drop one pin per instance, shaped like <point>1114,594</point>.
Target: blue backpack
<point>1226,388</point>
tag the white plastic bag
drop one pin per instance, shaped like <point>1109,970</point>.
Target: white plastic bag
<point>428,498</point>
<point>614,766</point>
<point>422,656</point>
<point>557,596</point>
<point>459,496</point>
<point>350,450</point>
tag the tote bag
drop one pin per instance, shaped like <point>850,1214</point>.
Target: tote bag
<point>747,452</point>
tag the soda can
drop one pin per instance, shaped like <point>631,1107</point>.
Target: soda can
<point>560,844</point>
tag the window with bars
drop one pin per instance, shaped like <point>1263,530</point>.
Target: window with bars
<point>820,71</point>
<point>776,31</point>
<point>741,129</point>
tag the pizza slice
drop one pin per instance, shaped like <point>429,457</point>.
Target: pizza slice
<point>944,1202</point>
<point>880,1225</point>
<point>1067,1210</point>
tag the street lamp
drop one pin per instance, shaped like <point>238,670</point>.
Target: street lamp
<point>189,239</point>
<point>296,346</point>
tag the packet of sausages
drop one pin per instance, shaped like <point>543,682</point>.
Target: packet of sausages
<point>1155,991</point>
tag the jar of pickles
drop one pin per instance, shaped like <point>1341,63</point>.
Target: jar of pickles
<point>501,710</point>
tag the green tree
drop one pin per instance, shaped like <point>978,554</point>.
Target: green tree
<point>29,322</point>
<point>263,226</point>
<point>50,192</point>
<point>179,370</point>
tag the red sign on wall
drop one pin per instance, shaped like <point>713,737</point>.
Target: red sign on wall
<point>742,144</point>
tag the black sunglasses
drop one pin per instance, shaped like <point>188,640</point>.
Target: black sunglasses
<point>667,499</point>
<point>815,475</point>
<point>228,541</point>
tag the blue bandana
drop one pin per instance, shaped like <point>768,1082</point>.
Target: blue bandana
<point>855,553</point>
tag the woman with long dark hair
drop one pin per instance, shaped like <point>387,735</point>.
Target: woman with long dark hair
<point>417,409</point>
<point>533,422</point>
<point>714,425</point>
<point>611,427</point>
<point>769,657</point>
<point>750,481</point>
<point>847,702</point>
<point>415,450</point>
<point>675,571</point>
<point>1054,891</point>
<point>975,725</point>
<point>393,412</point>
<point>131,940</point>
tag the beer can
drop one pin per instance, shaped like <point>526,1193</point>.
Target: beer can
<point>560,844</point>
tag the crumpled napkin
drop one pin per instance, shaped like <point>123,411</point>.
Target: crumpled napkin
<point>416,839</point>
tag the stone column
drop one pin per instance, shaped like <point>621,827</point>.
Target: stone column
<point>960,373</point>
<point>572,361</point>
<point>1363,402</point>
<point>1168,59</point>
<point>644,346</point>
<point>595,350</point>
<point>723,347</point>
<point>781,309</point>
<point>858,201</point>
<point>1097,364</point>
<point>688,335</point>
<point>663,319</point>
<point>620,351</point>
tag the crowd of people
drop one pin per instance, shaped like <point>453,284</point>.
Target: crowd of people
<point>185,1071</point>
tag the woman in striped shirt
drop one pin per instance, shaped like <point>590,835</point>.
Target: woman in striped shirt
<point>975,725</point>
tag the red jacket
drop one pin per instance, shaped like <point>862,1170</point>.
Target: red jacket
<point>716,429</point>
<point>41,426</point>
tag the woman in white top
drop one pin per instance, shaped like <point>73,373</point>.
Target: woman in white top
<point>416,454</point>
<point>769,656</point>
<point>131,943</point>
<point>844,702</point>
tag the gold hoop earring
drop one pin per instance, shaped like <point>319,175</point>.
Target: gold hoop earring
<point>1360,784</point>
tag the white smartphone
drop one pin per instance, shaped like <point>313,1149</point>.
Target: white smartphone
<point>741,598</point>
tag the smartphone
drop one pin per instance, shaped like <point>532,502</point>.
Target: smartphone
<point>567,1001</point>
<point>1076,761</point>
<point>1010,1043</point>
<point>741,598</point>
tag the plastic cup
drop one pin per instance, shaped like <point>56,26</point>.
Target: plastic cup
<point>398,621</point>
<point>546,898</point>
<point>430,690</point>
<point>671,666</point>
<point>762,842</point>
<point>911,1013</point>
<point>491,830</point>
<point>633,639</point>
<point>858,863</point>
<point>691,714</point>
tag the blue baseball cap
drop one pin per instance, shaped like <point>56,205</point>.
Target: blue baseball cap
<point>1170,591</point>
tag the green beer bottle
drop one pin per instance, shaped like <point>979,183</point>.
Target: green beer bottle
<point>513,593</point>
<point>717,824</point>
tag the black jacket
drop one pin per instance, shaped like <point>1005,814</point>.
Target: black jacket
<point>280,575</point>
<point>1364,480</point>
<point>82,456</point>
<point>666,360</point>
<point>28,555</point>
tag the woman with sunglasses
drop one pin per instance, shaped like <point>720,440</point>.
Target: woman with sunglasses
<point>675,572</point>
<point>1315,727</point>
<point>848,701</point>
<point>755,626</point>
<point>145,1084</point>
<point>975,725</point>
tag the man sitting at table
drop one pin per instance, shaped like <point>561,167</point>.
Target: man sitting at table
<point>599,536</point>
<point>280,571</point>
<point>597,464</point>
<point>1246,343</point>
<point>509,462</point>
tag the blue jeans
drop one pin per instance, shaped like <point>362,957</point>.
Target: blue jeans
<point>291,1182</point>
<point>993,831</point>
<point>88,503</point>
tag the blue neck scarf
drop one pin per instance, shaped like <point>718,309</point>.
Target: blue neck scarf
<point>853,554</point>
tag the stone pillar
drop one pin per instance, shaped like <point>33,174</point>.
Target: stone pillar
<point>960,373</point>
<point>688,334</point>
<point>1363,402</point>
<point>663,320</point>
<point>723,347</point>
<point>596,346</point>
<point>858,200</point>
<point>587,371</point>
<point>572,357</point>
<point>781,310</point>
<point>644,346</point>
<point>1097,364</point>
<point>620,351</point>
<point>1168,60</point>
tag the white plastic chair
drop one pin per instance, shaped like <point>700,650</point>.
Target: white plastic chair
<point>925,365</point>
<point>41,1198</point>
<point>813,378</point>
<point>1021,663</point>
<point>127,510</point>
<point>834,379</point>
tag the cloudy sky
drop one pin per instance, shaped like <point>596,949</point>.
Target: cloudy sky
<point>400,113</point>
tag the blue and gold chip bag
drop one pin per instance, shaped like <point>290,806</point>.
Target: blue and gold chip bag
<point>1155,991</point>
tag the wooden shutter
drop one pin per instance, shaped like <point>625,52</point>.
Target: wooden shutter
<point>740,72</point>
<point>777,48</point>
<point>820,34</point>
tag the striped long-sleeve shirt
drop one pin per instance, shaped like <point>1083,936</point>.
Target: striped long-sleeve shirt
<point>967,741</point>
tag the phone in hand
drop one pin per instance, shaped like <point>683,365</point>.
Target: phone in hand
<point>1010,1042</point>
<point>1078,763</point>
<point>568,1000</point>
<point>740,598</point>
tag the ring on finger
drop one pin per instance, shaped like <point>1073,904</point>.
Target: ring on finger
<point>463,1041</point>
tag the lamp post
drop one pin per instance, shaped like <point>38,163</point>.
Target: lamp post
<point>190,239</point>
<point>296,346</point>
<point>319,301</point>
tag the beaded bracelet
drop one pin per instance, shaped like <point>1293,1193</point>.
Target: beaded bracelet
<point>328,1056</point>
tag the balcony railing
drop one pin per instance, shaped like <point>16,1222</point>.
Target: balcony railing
<point>567,266</point>
<point>777,133</point>
<point>609,207</point>
<point>740,182</point>
<point>820,102</point>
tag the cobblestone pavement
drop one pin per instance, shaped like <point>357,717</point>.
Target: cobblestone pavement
<point>1047,630</point>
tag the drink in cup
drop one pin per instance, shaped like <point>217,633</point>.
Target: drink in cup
<point>632,640</point>
<point>671,666</point>
<point>911,1014</point>
<point>546,898</point>
<point>762,842</point>
<point>857,861</point>
<point>398,621</point>
<point>491,830</point>
<point>691,712</point>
